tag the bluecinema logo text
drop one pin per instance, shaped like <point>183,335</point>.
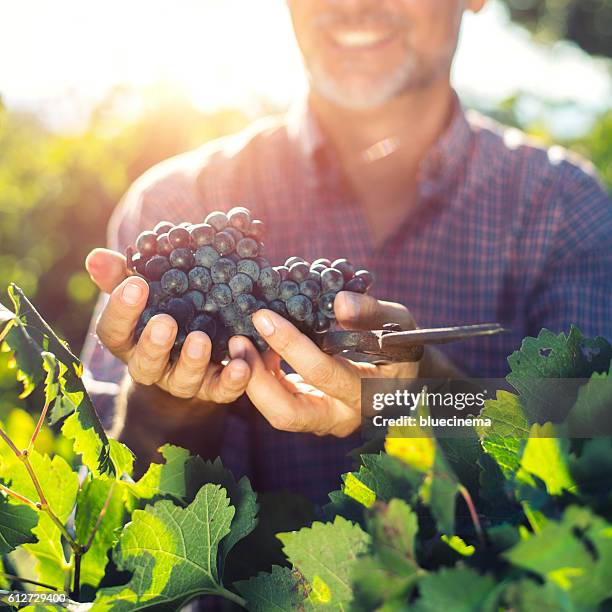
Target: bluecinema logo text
<point>411,400</point>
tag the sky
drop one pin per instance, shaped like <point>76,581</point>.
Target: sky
<point>59,57</point>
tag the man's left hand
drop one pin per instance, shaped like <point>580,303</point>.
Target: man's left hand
<point>323,396</point>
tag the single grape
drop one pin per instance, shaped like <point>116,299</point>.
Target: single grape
<point>278,306</point>
<point>202,234</point>
<point>181,259</point>
<point>291,260</point>
<point>247,247</point>
<point>234,233</point>
<point>268,295</point>
<point>181,310</point>
<point>221,295</point>
<point>230,315</point>
<point>196,298</point>
<point>260,343</point>
<point>241,283</point>
<point>174,282</point>
<point>256,230</point>
<point>310,288</point>
<point>322,323</point>
<point>220,345</point>
<point>240,218</point>
<point>283,271</point>
<point>366,276</point>
<point>248,267</point>
<point>315,276</point>
<point>261,304</point>
<point>223,270</point>
<point>156,293</point>
<point>318,268</point>
<point>287,290</point>
<point>332,280</point>
<point>217,219</point>
<point>345,267</point>
<point>269,278</point>
<point>179,237</point>
<point>164,247</point>
<point>356,284</point>
<point>326,304</point>
<point>146,243</point>
<point>186,224</point>
<point>203,323</point>
<point>210,307</point>
<point>298,272</point>
<point>139,263</point>
<point>206,256</point>
<point>163,227</point>
<point>224,243</point>
<point>299,307</point>
<point>200,279</point>
<point>246,303</point>
<point>156,267</point>
<point>321,262</point>
<point>262,262</point>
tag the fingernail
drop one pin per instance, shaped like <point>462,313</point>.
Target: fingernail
<point>353,304</point>
<point>195,348</point>
<point>131,294</point>
<point>160,334</point>
<point>265,325</point>
<point>238,371</point>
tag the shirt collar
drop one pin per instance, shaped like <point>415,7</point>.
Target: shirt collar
<point>441,164</point>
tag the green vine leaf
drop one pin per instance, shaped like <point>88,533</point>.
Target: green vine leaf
<point>328,569</point>
<point>30,339</point>
<point>278,591</point>
<point>458,589</point>
<point>389,573</point>
<point>16,525</point>
<point>172,552</point>
<point>590,415</point>
<point>90,501</point>
<point>60,486</point>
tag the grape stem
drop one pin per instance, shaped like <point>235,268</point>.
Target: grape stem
<point>39,425</point>
<point>87,546</point>
<point>472,508</point>
<point>28,581</point>
<point>12,446</point>
<point>21,498</point>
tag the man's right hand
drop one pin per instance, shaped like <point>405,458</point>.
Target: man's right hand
<point>193,376</point>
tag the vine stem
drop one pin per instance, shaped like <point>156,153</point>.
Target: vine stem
<point>28,581</point>
<point>76,588</point>
<point>472,508</point>
<point>100,517</point>
<point>39,425</point>
<point>21,498</point>
<point>9,442</point>
<point>223,592</point>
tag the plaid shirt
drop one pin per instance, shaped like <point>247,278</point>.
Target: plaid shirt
<point>503,231</point>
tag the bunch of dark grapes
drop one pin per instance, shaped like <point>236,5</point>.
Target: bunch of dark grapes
<point>212,277</point>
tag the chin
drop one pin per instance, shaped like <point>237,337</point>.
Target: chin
<point>367,92</point>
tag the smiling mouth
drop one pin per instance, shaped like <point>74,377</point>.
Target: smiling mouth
<point>360,38</point>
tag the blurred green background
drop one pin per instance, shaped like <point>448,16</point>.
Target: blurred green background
<point>58,186</point>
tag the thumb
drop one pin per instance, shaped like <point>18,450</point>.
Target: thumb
<point>358,311</point>
<point>106,268</point>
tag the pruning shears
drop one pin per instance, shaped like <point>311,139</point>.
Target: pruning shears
<point>392,344</point>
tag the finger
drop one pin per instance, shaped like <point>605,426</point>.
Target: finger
<point>187,375</point>
<point>224,385</point>
<point>357,311</point>
<point>106,268</point>
<point>306,358</point>
<point>149,360</point>
<point>277,404</point>
<point>116,324</point>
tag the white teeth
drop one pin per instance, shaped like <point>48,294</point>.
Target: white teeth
<point>359,38</point>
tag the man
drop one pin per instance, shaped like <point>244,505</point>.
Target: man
<point>460,220</point>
